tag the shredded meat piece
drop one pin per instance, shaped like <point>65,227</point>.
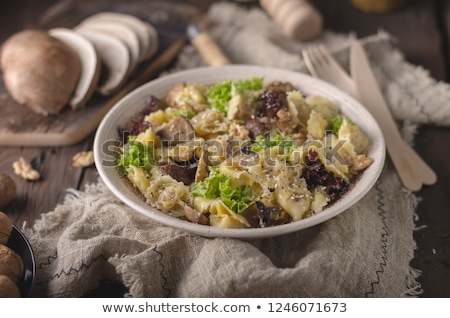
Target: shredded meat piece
<point>185,174</point>
<point>239,131</point>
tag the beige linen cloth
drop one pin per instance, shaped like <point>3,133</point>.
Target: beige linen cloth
<point>363,252</point>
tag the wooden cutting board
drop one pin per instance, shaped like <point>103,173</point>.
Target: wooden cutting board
<point>20,127</point>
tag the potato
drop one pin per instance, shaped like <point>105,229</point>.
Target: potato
<point>39,71</point>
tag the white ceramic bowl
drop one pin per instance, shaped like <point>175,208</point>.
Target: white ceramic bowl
<point>135,101</point>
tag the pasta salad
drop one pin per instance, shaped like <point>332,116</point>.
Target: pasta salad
<point>242,154</point>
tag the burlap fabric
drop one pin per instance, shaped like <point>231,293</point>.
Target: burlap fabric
<point>364,252</point>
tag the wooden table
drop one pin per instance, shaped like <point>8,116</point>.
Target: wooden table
<point>422,29</point>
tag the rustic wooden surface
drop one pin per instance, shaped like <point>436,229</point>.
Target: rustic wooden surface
<point>422,30</point>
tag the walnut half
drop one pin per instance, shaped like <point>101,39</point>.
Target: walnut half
<point>83,159</point>
<point>23,169</point>
<point>359,163</point>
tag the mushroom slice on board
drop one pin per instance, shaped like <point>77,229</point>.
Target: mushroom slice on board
<point>90,65</point>
<point>121,31</point>
<point>154,41</point>
<point>115,60</point>
<point>144,31</point>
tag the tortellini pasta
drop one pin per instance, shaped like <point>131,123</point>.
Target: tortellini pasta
<point>191,97</point>
<point>167,194</point>
<point>210,122</point>
<point>222,216</point>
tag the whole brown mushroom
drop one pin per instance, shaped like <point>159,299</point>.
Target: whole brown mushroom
<point>39,71</point>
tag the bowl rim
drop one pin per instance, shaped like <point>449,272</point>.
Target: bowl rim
<point>209,73</point>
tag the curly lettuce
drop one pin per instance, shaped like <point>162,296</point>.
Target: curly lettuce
<point>209,188</point>
<point>218,185</point>
<point>219,95</point>
<point>264,142</point>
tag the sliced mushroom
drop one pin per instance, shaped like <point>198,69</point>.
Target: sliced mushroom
<point>257,126</point>
<point>195,216</point>
<point>90,65</point>
<point>115,60</point>
<point>181,173</point>
<point>121,31</point>
<point>176,131</point>
<point>202,167</point>
<point>146,33</point>
<point>154,41</point>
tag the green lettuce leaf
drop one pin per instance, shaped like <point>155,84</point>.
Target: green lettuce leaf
<point>137,154</point>
<point>209,188</point>
<point>218,185</point>
<point>237,199</point>
<point>220,94</point>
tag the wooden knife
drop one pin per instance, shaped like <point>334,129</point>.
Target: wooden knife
<point>412,170</point>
